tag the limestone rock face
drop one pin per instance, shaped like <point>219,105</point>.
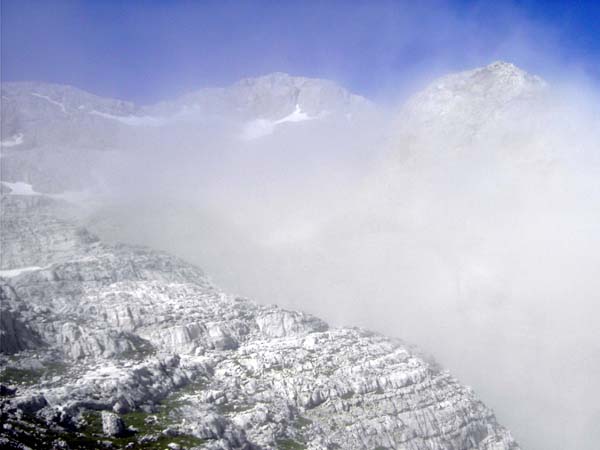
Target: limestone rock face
<point>137,333</point>
<point>36,231</point>
<point>15,335</point>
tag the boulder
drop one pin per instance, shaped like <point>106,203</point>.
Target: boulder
<point>112,424</point>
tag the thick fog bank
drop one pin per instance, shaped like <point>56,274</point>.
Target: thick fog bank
<point>466,225</point>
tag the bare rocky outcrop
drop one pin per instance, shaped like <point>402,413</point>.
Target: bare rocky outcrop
<point>15,335</point>
<point>112,424</point>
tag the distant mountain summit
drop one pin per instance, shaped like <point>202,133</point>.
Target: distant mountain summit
<point>495,102</point>
<point>54,135</point>
<point>270,96</point>
<point>44,126</point>
<point>483,91</point>
<point>31,108</point>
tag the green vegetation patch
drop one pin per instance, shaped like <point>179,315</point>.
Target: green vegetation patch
<point>137,420</point>
<point>190,388</point>
<point>14,375</point>
<point>289,444</point>
<point>303,422</point>
<point>230,407</point>
<point>142,350</point>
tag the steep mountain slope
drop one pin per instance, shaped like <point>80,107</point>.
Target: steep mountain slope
<point>59,138</point>
<point>52,136</point>
<point>90,327</point>
<point>42,114</point>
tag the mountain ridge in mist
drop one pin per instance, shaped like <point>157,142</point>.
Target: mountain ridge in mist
<point>462,220</point>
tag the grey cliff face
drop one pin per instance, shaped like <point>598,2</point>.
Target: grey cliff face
<point>146,339</point>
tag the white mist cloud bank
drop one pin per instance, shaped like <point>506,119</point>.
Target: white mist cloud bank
<point>474,236</point>
<point>478,243</point>
<point>476,240</point>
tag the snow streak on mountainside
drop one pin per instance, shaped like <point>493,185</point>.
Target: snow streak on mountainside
<point>263,127</point>
<point>148,341</point>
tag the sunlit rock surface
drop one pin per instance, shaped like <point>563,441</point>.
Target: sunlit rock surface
<point>145,338</point>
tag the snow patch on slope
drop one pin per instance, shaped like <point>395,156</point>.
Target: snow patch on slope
<point>296,116</point>
<point>20,188</point>
<point>13,141</point>
<point>9,273</point>
<point>263,127</point>
<point>136,121</point>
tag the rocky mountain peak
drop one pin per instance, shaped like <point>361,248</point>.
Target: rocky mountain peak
<point>455,109</point>
<point>504,69</point>
<point>482,90</point>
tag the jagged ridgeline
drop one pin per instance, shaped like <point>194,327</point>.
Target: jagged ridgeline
<point>116,346</point>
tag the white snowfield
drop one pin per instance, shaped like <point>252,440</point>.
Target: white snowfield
<point>296,116</point>
<point>26,189</point>
<point>20,188</point>
<point>9,273</point>
<point>13,141</point>
<point>263,127</point>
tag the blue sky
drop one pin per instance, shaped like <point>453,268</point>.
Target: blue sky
<point>151,50</point>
